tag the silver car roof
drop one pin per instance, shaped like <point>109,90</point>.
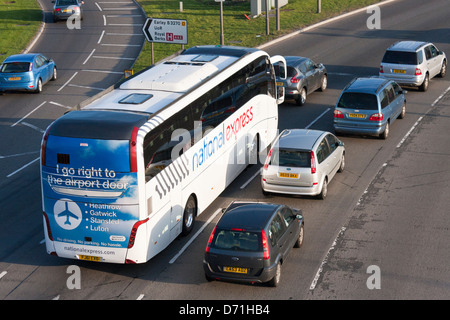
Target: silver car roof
<point>299,138</point>
<point>410,46</point>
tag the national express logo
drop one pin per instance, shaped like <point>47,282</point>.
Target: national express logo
<point>213,145</point>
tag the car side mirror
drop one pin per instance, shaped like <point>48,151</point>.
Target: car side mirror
<point>299,216</point>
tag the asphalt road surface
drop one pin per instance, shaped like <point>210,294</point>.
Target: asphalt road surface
<point>382,232</point>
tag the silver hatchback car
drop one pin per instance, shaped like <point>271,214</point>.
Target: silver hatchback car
<point>413,63</point>
<point>303,162</point>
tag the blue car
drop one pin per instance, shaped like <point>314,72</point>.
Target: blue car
<point>369,106</point>
<point>26,72</point>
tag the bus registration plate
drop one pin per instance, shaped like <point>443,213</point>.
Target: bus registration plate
<point>235,269</point>
<point>89,258</point>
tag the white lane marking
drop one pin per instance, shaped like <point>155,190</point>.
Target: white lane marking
<point>86,87</point>
<point>194,236</point>
<point>18,154</point>
<point>3,274</point>
<point>102,71</point>
<point>120,45</point>
<point>89,56</point>
<point>104,20</point>
<point>101,37</point>
<point>325,260</point>
<point>59,105</point>
<point>250,180</point>
<point>32,126</point>
<point>114,58</point>
<point>23,167</point>
<point>28,114</point>
<point>67,82</point>
<point>141,296</point>
<point>99,8</point>
<point>316,119</point>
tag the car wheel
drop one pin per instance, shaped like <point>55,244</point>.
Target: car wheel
<point>323,193</point>
<point>443,69</point>
<point>403,113</point>
<point>425,83</point>
<point>301,235</point>
<point>385,133</point>
<point>190,211</point>
<point>39,86</point>
<point>55,74</point>
<point>323,83</point>
<point>342,165</point>
<point>275,281</point>
<point>301,97</point>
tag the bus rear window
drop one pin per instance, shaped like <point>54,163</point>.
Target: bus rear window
<point>82,154</point>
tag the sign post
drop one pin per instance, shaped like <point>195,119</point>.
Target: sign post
<point>165,31</point>
<point>222,41</point>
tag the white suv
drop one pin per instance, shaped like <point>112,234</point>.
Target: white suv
<point>413,63</point>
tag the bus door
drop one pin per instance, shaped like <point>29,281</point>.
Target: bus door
<point>280,61</point>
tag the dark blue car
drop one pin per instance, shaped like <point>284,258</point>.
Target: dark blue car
<point>26,72</point>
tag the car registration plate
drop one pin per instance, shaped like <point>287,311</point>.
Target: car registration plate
<point>399,71</point>
<point>235,269</point>
<point>356,115</point>
<point>13,78</point>
<point>67,10</point>
<point>288,175</point>
<point>279,84</point>
<point>89,258</point>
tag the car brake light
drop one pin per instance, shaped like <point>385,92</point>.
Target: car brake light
<point>338,114</point>
<point>376,117</point>
<point>57,9</point>
<point>418,72</point>
<point>133,156</point>
<point>265,244</point>
<point>134,232</point>
<point>266,164</point>
<point>295,79</point>
<point>210,239</point>
<point>381,69</point>
<point>313,162</point>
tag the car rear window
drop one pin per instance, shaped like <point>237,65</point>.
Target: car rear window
<point>15,67</point>
<point>400,57</point>
<point>237,240</point>
<point>358,100</point>
<point>291,158</point>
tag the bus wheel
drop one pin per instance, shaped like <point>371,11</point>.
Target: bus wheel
<point>190,211</point>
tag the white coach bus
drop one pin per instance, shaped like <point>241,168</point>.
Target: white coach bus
<point>126,174</point>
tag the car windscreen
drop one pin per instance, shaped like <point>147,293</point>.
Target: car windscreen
<point>291,158</point>
<point>400,57</point>
<point>15,67</point>
<point>237,240</point>
<point>358,100</point>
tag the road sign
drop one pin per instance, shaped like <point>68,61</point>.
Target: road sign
<point>166,30</point>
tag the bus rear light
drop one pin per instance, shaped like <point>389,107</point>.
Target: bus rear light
<point>134,232</point>
<point>211,237</point>
<point>128,261</point>
<point>313,163</point>
<point>133,156</point>
<point>47,225</point>
<point>44,145</point>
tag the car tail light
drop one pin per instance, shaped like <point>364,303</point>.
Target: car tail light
<point>381,69</point>
<point>266,164</point>
<point>265,244</point>
<point>418,72</point>
<point>133,156</point>
<point>313,163</point>
<point>30,68</point>
<point>376,117</point>
<point>338,114</point>
<point>210,239</point>
<point>295,79</point>
<point>58,10</point>
<point>134,232</point>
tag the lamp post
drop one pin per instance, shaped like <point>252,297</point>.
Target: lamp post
<point>222,41</point>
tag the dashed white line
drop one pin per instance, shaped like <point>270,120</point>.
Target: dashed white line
<point>102,71</point>
<point>101,37</point>
<point>21,168</point>
<point>67,82</point>
<point>86,87</point>
<point>59,105</point>
<point>316,119</point>
<point>250,180</point>
<point>89,56</point>
<point>114,58</point>
<point>32,126</point>
<point>194,236</point>
<point>98,6</point>
<point>141,296</point>
<point>3,274</point>
<point>17,122</point>
<point>104,20</point>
